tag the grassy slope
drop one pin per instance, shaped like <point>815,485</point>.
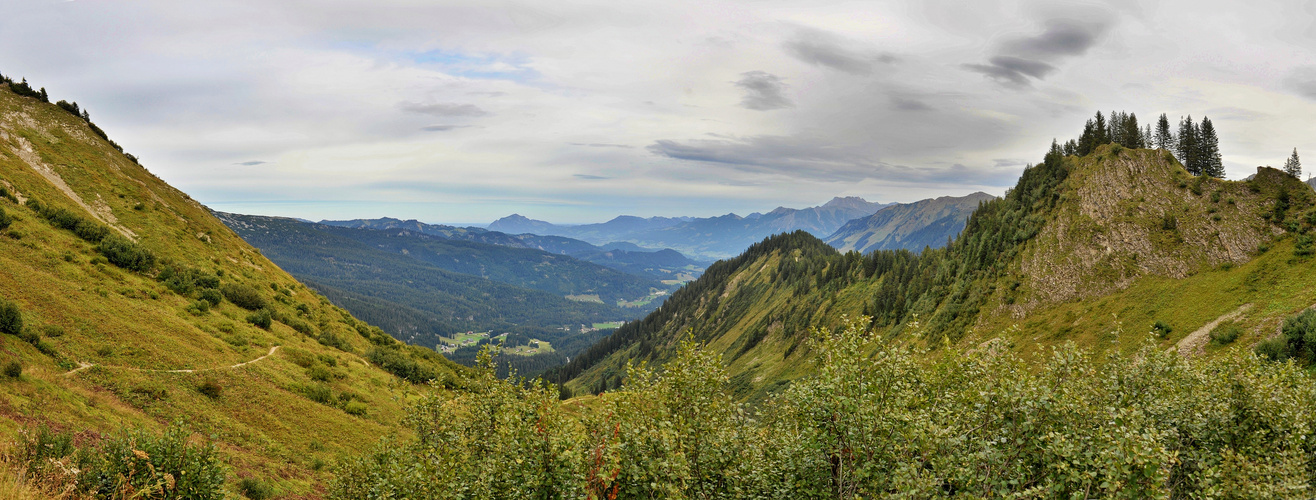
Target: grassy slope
<point>125,322</point>
<point>1185,278</point>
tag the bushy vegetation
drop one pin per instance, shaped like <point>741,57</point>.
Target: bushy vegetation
<point>243,296</point>
<point>126,253</point>
<point>260,318</point>
<point>185,280</point>
<point>876,420</point>
<point>1297,340</point>
<point>11,317</point>
<point>393,360</point>
<point>1225,333</point>
<point>5,219</point>
<point>133,464</point>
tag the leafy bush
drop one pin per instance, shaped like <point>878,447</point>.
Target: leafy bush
<point>5,219</point>
<point>320,393</point>
<point>211,296</point>
<point>184,280</point>
<point>255,489</point>
<point>243,296</point>
<point>125,253</point>
<point>260,318</point>
<point>11,319</point>
<point>1161,329</point>
<point>876,420</point>
<point>395,361</point>
<point>153,466</point>
<point>331,339</point>
<point>13,369</point>
<point>1225,333</point>
<point>356,408</point>
<point>210,388</point>
<point>319,373</point>
<point>1297,340</point>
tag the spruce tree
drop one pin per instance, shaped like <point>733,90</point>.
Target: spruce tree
<point>1293,166</point>
<point>1209,151</point>
<point>1071,148</point>
<point>1100,134</point>
<point>1164,137</point>
<point>1147,140</point>
<point>1188,146</point>
<point>1087,141</point>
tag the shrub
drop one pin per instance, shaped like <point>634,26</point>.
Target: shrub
<point>1161,329</point>
<point>125,253</point>
<point>260,318</point>
<point>13,369</point>
<point>52,331</point>
<point>5,219</point>
<point>211,296</point>
<point>1225,333</point>
<point>1272,349</point>
<point>255,489</point>
<point>167,465</point>
<point>243,296</point>
<point>319,373</point>
<point>198,308</point>
<point>332,339</point>
<point>210,388</point>
<point>184,280</point>
<point>11,319</point>
<point>1303,246</point>
<point>320,393</point>
<point>395,361</point>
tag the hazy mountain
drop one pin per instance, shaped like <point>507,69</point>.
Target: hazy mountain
<point>911,226</point>
<point>707,238</point>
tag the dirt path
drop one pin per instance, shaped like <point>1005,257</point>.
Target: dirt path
<point>1195,343</point>
<point>82,365</point>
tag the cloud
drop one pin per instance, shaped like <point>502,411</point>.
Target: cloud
<point>591,177</point>
<point>906,103</point>
<point>1303,81</point>
<point>763,91</point>
<point>1012,71</point>
<point>601,145</point>
<point>443,128</point>
<point>1020,60</point>
<point>821,48</point>
<point>251,163</point>
<point>442,109</point>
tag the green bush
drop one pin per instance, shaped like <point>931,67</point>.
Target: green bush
<point>124,253</point>
<point>11,319</point>
<point>320,393</point>
<point>397,362</point>
<point>184,280</point>
<point>260,318</point>
<point>356,408</point>
<point>243,296</point>
<point>1161,329</point>
<point>319,372</point>
<point>1297,340</point>
<point>13,369</point>
<point>211,296</point>
<point>5,219</point>
<point>255,489</point>
<point>165,467</point>
<point>1225,333</point>
<point>210,389</point>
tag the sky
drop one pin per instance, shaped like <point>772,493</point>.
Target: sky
<point>570,111</point>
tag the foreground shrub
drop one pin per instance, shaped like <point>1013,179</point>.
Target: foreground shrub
<point>876,420</point>
<point>255,489</point>
<point>134,464</point>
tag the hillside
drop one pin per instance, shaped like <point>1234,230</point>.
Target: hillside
<point>911,226</point>
<point>1091,249</point>
<point>139,310</point>
<point>710,238</point>
<point>663,264</point>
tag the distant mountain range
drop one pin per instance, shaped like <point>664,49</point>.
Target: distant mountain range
<point>911,226</point>
<point>666,264</point>
<point>707,237</point>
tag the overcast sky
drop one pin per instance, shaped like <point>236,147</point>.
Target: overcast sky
<point>567,111</point>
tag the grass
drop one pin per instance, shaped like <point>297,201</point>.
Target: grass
<point>610,324</point>
<point>126,322</point>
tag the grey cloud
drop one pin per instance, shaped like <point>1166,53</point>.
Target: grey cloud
<point>601,145</point>
<point>1303,81</point>
<point>820,48</point>
<point>1061,38</point>
<point>1020,60</point>
<point>1236,113</point>
<point>442,128</point>
<point>488,94</point>
<point>251,163</point>
<point>442,109</point>
<point>1012,71</point>
<point>808,158</point>
<point>906,103</point>
<point>591,177</point>
<point>1008,162</point>
<point>763,91</point>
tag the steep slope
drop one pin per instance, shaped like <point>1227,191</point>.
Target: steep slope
<point>1089,249</point>
<point>911,226</point>
<point>128,293</point>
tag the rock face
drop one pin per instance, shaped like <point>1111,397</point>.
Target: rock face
<point>911,226</point>
<point>1125,214</point>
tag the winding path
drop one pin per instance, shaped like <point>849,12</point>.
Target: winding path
<point>82,365</point>
<point>1195,342</point>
